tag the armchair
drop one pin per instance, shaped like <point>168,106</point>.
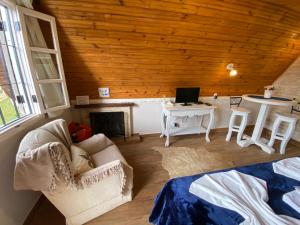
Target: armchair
<point>82,197</point>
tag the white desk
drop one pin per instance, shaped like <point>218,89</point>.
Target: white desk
<point>260,122</point>
<point>177,110</point>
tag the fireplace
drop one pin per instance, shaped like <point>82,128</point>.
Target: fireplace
<point>111,124</point>
<point>81,113</point>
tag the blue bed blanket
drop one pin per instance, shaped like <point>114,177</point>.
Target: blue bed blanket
<point>175,205</point>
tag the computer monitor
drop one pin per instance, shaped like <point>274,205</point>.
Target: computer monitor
<point>187,95</point>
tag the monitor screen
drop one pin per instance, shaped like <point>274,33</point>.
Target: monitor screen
<point>187,95</point>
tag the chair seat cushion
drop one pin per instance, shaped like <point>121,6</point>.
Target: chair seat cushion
<point>111,153</point>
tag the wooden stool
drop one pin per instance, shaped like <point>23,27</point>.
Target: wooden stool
<point>288,133</point>
<point>243,113</point>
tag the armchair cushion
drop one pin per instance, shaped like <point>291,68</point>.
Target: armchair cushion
<point>111,153</point>
<point>108,162</point>
<point>81,160</point>
<point>95,143</point>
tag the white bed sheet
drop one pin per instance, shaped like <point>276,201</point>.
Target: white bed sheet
<point>247,195</point>
<point>288,167</point>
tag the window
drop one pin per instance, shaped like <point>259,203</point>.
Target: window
<point>32,78</point>
<point>44,58</point>
<point>14,87</point>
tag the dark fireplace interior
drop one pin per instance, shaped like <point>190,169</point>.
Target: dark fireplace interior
<point>109,123</point>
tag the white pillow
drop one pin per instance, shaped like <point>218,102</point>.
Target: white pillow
<point>81,160</point>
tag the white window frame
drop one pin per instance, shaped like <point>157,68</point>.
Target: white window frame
<point>21,11</point>
<point>35,111</point>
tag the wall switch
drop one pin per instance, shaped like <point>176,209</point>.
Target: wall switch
<point>103,92</point>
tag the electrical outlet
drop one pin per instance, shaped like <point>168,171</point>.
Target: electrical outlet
<point>103,92</point>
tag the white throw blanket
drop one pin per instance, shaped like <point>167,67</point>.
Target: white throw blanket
<point>288,167</point>
<point>38,169</point>
<point>242,193</point>
<point>43,157</point>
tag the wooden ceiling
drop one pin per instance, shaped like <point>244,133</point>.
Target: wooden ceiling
<point>291,4</point>
<point>147,48</point>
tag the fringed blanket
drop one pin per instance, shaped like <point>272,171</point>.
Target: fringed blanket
<point>176,205</point>
<point>109,169</point>
<point>38,169</point>
<point>43,156</point>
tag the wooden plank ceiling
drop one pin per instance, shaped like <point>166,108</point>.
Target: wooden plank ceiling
<point>147,48</point>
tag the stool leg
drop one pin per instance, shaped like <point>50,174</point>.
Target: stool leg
<point>274,132</point>
<point>242,128</point>
<point>231,124</point>
<point>287,137</point>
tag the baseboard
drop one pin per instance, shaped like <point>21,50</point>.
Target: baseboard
<point>217,130</point>
<point>150,135</point>
<point>135,138</point>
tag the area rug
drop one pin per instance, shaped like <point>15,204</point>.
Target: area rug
<point>183,161</point>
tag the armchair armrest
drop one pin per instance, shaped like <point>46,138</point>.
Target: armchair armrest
<point>106,170</point>
<point>95,143</point>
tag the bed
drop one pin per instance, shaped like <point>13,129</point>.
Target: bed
<point>177,203</point>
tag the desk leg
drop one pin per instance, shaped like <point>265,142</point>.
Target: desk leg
<point>211,122</point>
<point>163,124</point>
<point>167,131</point>
<point>201,120</point>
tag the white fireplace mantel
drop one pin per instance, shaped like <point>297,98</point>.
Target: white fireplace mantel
<point>82,113</point>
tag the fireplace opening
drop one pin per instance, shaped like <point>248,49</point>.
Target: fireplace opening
<point>109,123</point>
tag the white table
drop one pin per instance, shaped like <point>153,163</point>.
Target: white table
<point>178,110</point>
<point>260,122</point>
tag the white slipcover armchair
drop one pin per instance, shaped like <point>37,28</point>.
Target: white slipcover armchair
<point>92,193</point>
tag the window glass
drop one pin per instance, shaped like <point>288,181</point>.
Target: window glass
<point>44,29</point>
<point>52,94</point>
<point>45,65</point>
<point>14,100</point>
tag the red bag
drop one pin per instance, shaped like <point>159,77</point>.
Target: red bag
<point>83,133</point>
<point>79,132</point>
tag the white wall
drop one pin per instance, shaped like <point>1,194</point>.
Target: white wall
<point>288,85</point>
<point>15,205</point>
<point>146,112</point>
